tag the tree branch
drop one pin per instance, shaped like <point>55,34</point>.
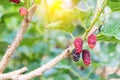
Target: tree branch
<point>12,75</point>
<point>16,75</point>
<point>47,66</point>
<point>18,38</point>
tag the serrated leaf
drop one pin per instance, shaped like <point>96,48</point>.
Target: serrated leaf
<point>103,37</point>
<point>114,5</point>
<point>110,33</point>
<point>60,25</point>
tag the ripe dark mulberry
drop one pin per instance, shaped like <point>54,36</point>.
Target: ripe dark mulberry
<point>86,57</point>
<point>78,43</point>
<point>15,1</point>
<point>74,52</point>
<point>92,39</point>
<point>75,56</point>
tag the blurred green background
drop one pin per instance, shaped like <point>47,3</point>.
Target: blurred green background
<point>41,45</point>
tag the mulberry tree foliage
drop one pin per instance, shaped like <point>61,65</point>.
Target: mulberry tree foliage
<point>56,25</point>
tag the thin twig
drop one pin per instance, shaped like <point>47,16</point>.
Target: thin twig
<point>95,19</point>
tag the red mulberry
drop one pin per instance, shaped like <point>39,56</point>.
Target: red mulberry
<point>15,1</point>
<point>78,42</point>
<point>92,39</point>
<point>23,11</point>
<point>86,57</point>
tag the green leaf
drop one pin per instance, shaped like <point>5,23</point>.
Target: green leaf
<point>63,15</point>
<point>115,0</point>
<point>3,47</point>
<point>103,37</point>
<point>113,76</point>
<point>33,65</point>
<point>60,25</point>
<point>114,5</point>
<point>8,15</point>
<point>29,41</point>
<point>68,15</point>
<point>2,26</point>
<point>110,32</point>
<point>79,30</point>
<point>3,2</point>
<point>80,14</point>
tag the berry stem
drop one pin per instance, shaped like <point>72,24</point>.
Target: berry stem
<point>26,4</point>
<point>72,36</point>
<point>83,24</point>
<point>99,11</point>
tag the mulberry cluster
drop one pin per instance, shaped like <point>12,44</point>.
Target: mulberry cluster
<point>78,43</point>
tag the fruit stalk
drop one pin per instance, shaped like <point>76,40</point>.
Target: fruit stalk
<point>99,11</point>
